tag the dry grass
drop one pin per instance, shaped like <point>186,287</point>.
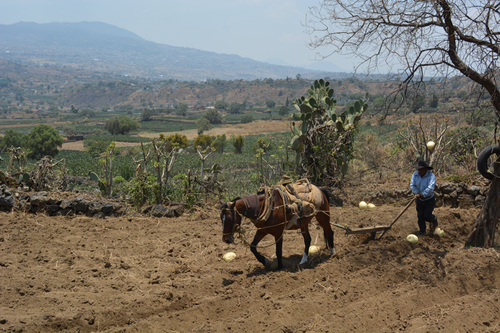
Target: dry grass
<point>78,145</point>
<point>253,128</point>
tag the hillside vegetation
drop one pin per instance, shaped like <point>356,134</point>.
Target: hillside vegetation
<point>24,88</point>
<point>258,111</point>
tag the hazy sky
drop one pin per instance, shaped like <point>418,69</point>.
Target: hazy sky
<point>257,29</point>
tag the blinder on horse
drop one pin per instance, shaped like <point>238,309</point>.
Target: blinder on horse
<point>229,220</point>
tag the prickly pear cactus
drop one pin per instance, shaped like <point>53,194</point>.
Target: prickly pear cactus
<point>324,137</point>
<point>100,182</point>
<point>94,176</point>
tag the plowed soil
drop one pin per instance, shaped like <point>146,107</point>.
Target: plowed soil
<point>141,274</point>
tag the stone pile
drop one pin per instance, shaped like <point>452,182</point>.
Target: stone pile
<point>46,202</point>
<point>447,194</point>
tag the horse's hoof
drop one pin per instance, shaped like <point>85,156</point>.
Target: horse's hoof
<point>304,259</point>
<point>333,251</point>
<point>267,264</point>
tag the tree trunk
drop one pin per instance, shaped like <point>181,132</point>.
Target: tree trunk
<point>483,233</point>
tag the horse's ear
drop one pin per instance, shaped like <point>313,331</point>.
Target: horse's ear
<point>224,204</point>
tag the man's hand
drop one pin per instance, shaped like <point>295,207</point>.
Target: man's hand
<point>419,196</point>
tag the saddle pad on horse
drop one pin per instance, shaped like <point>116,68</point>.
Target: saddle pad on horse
<point>253,209</point>
<point>303,197</point>
<point>251,206</point>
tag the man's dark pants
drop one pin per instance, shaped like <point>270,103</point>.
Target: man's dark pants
<point>424,212</point>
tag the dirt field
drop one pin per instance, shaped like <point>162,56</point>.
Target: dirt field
<point>256,127</point>
<point>253,128</point>
<point>78,145</point>
<point>140,274</point>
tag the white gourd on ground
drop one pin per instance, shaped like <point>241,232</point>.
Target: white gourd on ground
<point>314,250</point>
<point>412,238</point>
<point>229,256</point>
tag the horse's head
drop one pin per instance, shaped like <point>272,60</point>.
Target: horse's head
<point>230,220</point>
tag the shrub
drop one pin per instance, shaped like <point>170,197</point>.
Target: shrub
<point>87,113</point>
<point>118,179</point>
<point>203,125</point>
<point>181,109</point>
<point>238,143</point>
<point>219,143</point>
<point>96,147</point>
<point>283,111</point>
<point>69,130</point>
<point>247,118</point>
<point>213,116</point>
<point>220,105</point>
<point>43,140</point>
<point>121,125</point>
<point>236,108</point>
<point>127,172</point>
<point>180,139</point>
<point>141,190</point>
<point>146,115</point>
<point>270,103</point>
<point>202,140</point>
<point>11,139</point>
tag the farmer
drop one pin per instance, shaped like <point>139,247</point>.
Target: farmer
<point>422,184</point>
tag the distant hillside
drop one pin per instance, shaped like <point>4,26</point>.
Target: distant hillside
<point>32,87</point>
<point>96,46</point>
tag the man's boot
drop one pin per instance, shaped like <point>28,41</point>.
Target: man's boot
<point>433,225</point>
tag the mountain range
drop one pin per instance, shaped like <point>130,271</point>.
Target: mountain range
<point>101,47</point>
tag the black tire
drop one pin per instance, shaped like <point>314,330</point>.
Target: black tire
<point>482,161</point>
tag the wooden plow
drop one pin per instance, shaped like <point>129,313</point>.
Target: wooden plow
<point>373,230</point>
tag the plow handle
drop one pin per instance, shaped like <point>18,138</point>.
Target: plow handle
<point>404,210</point>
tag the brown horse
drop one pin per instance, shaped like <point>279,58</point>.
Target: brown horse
<point>233,211</point>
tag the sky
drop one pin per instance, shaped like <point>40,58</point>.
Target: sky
<point>263,30</point>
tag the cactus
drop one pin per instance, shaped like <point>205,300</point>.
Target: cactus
<point>106,184</point>
<point>26,177</point>
<point>323,140</point>
<point>102,185</point>
<point>94,176</point>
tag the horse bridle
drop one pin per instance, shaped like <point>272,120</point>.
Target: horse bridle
<point>233,216</point>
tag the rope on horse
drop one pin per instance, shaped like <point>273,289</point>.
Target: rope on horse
<point>263,216</point>
<point>267,209</point>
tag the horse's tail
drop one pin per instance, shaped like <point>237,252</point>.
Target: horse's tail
<point>333,200</point>
<point>327,194</point>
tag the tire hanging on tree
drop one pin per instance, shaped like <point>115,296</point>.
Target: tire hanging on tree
<point>482,161</point>
<point>483,231</point>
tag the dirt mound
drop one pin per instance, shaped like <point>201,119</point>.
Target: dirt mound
<point>140,274</point>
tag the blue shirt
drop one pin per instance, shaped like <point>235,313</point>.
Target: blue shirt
<point>423,185</point>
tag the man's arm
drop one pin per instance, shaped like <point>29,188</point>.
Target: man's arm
<point>430,187</point>
<point>413,185</point>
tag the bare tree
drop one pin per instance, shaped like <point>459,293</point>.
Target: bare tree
<point>417,39</point>
<point>414,38</point>
<point>418,131</point>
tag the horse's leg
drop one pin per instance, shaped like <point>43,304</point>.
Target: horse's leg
<point>279,232</point>
<point>253,247</point>
<point>307,239</point>
<point>279,250</point>
<point>323,218</point>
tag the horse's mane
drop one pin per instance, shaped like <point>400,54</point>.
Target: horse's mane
<point>226,204</point>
